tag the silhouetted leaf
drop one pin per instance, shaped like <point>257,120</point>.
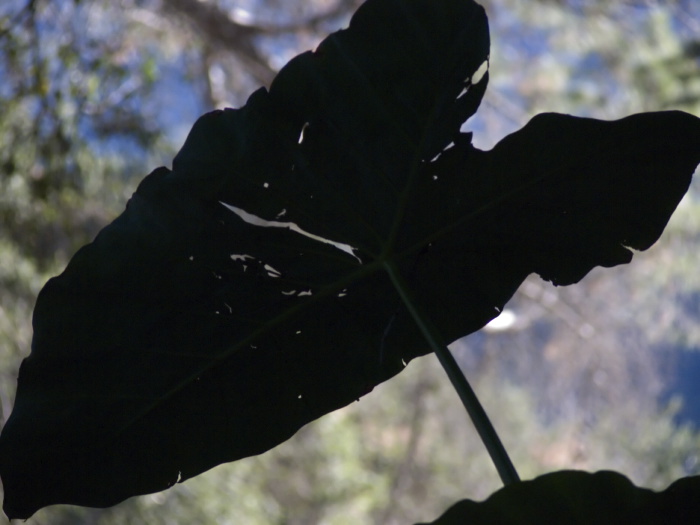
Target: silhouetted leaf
<point>244,293</point>
<point>571,497</point>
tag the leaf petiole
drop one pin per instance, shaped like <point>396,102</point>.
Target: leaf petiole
<point>476,412</point>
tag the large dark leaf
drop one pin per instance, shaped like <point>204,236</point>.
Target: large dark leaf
<point>244,293</point>
<point>572,497</point>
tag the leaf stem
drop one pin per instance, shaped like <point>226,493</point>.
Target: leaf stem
<point>476,412</point>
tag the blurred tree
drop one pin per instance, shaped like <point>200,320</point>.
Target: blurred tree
<point>95,94</point>
<point>608,59</point>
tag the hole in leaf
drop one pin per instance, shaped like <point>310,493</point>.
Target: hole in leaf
<point>301,134</point>
<point>272,272</point>
<point>257,221</point>
<point>240,257</point>
<point>480,72</point>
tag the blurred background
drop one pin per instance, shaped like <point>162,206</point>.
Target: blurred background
<point>94,94</point>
